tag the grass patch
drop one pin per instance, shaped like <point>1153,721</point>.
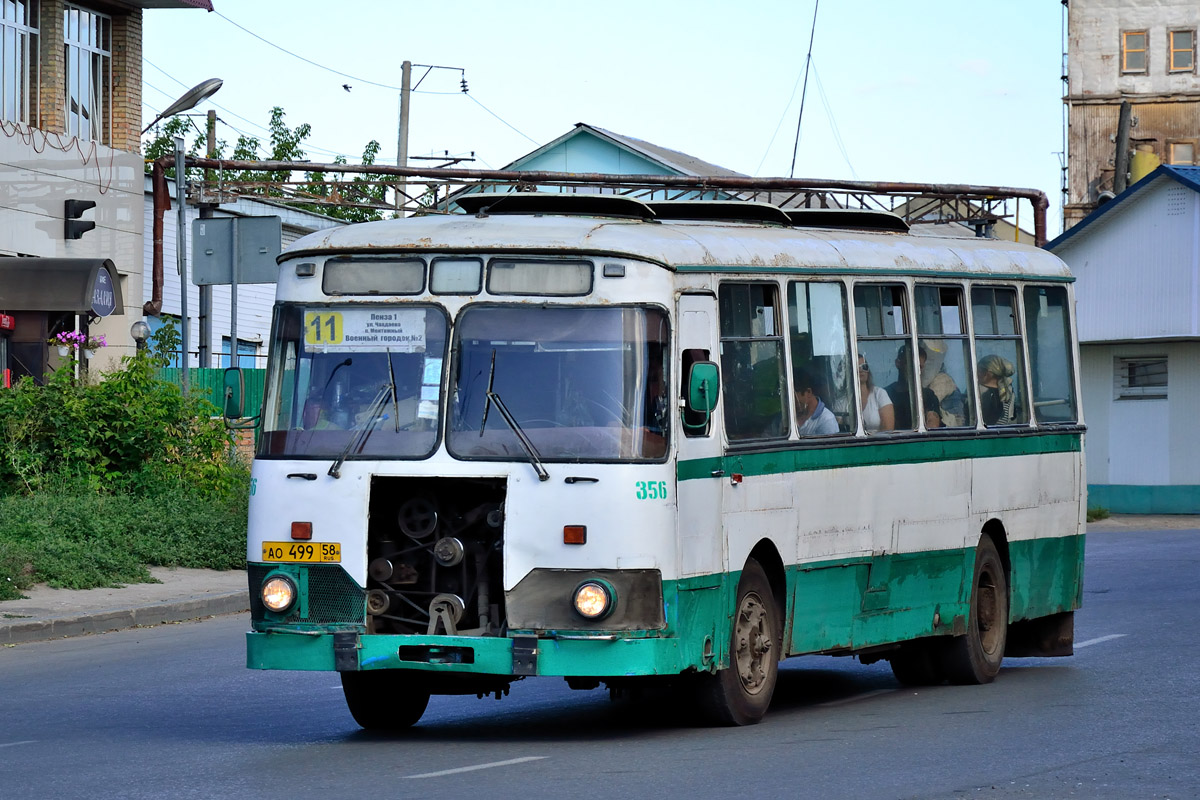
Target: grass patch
<point>71,538</point>
<point>1094,514</point>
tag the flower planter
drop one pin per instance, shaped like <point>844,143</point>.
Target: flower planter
<point>64,351</point>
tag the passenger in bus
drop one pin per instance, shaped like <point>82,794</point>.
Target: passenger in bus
<point>996,397</point>
<point>812,417</point>
<point>900,394</point>
<point>878,413</point>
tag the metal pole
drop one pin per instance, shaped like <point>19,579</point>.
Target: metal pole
<point>206,291</point>
<point>233,293</point>
<point>402,133</point>
<point>181,256</point>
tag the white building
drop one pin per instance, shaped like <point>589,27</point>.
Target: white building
<point>1137,263</point>
<point>254,300</point>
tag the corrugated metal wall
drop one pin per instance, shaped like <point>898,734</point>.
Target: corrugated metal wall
<point>1135,269</point>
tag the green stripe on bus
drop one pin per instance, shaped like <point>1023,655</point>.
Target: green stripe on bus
<point>856,453</point>
<point>919,274</point>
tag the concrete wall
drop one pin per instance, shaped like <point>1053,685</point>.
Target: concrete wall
<point>1143,455</point>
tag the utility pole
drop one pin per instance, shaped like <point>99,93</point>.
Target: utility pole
<point>402,133</point>
<point>181,257</point>
<point>206,212</point>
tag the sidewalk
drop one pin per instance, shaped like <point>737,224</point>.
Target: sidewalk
<point>187,594</point>
<point>183,594</point>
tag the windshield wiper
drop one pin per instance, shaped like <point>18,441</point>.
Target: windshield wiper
<point>535,460</point>
<point>359,439</point>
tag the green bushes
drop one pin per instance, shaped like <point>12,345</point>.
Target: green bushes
<point>99,480</point>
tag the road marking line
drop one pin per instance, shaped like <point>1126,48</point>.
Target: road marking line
<point>1099,639</point>
<point>457,770</point>
<point>14,744</point>
<point>856,698</point>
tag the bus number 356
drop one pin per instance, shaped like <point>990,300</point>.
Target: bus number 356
<point>651,490</point>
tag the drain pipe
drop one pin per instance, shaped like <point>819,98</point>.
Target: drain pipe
<point>162,203</point>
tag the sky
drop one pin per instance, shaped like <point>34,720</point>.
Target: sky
<point>929,91</point>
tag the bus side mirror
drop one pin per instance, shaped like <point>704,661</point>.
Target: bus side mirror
<point>233,393</point>
<point>704,388</point>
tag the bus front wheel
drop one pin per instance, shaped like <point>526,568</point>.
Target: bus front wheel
<point>383,700</point>
<point>741,694</point>
<point>975,657</point>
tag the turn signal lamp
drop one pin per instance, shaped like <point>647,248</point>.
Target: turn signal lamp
<point>575,534</point>
<point>594,599</point>
<point>302,530</point>
<point>279,594</point>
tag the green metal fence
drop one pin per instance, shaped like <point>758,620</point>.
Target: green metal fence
<point>209,383</point>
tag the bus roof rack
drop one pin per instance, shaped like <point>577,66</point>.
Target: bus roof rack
<point>865,219</point>
<point>588,205</point>
<point>719,210</point>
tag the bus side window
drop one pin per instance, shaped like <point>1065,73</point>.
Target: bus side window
<point>1048,323</point>
<point>820,341</point>
<point>1000,369</point>
<point>752,381</point>
<point>885,365</point>
<point>944,357</point>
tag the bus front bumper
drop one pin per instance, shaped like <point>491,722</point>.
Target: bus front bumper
<point>561,655</point>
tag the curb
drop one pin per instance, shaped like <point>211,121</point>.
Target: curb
<point>18,631</point>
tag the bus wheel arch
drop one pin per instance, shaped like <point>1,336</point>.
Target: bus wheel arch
<point>741,693</point>
<point>975,656</point>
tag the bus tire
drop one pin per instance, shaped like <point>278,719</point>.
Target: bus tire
<point>741,694</point>
<point>975,657</point>
<point>384,700</point>
<point>917,663</point>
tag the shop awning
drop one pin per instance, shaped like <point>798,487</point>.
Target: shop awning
<point>81,285</point>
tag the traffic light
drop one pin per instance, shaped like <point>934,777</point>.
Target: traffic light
<point>77,227</point>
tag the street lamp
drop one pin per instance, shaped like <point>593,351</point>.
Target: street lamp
<point>140,332</point>
<point>191,98</point>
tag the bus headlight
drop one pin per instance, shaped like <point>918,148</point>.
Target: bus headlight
<point>594,599</point>
<point>279,594</point>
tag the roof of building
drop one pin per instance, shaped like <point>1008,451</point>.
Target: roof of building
<point>682,163</point>
<point>1187,176</point>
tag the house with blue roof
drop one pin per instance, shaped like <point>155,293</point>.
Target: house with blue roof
<point>1136,260</point>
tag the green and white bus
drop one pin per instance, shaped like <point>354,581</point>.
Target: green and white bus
<point>622,442</point>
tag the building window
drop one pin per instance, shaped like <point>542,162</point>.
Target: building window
<point>1134,57</point>
<point>1182,153</point>
<point>1141,378</point>
<point>247,353</point>
<point>18,60</point>
<point>1182,48</point>
<point>87,51</point>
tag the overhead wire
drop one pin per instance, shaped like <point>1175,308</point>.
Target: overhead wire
<point>837,134</point>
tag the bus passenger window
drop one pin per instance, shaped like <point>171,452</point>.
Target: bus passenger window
<point>885,366</point>
<point>752,361</point>
<point>1000,368</point>
<point>1049,325</point>
<point>820,340</point>
<point>944,355</point>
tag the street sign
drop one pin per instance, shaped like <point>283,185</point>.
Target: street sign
<point>248,243</point>
<point>104,300</point>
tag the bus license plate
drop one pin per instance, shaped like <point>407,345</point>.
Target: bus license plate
<point>302,553</point>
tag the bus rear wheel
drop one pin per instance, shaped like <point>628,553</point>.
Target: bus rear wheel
<point>384,700</point>
<point>741,694</point>
<point>975,657</point>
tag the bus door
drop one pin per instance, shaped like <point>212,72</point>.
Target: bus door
<point>701,542</point>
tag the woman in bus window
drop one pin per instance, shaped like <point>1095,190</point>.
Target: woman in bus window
<point>878,413</point>
<point>996,397</point>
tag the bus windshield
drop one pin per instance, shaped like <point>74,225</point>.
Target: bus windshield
<point>354,382</point>
<point>580,383</point>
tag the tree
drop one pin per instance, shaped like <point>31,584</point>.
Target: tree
<point>286,144</point>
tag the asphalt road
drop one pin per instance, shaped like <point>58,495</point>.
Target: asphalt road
<point>171,711</point>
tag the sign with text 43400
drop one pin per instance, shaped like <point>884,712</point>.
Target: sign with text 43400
<point>348,330</point>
